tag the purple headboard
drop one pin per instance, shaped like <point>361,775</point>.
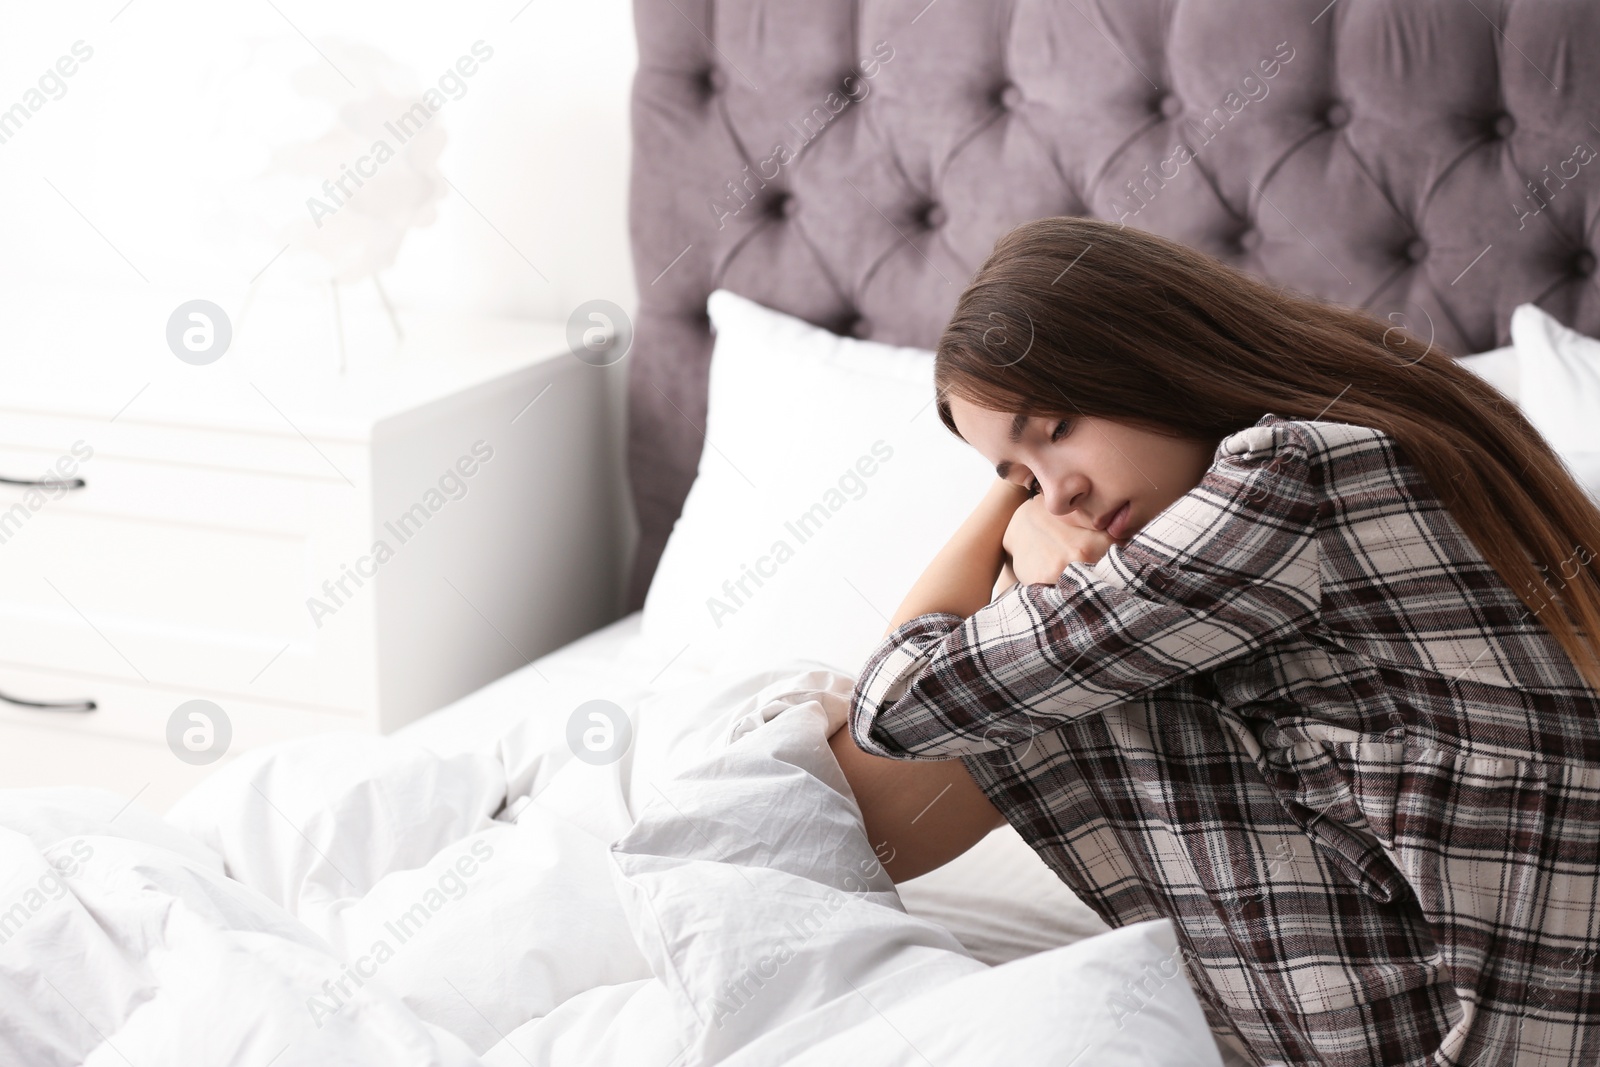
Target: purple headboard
<point>851,162</point>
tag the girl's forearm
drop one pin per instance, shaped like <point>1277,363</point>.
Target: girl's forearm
<point>962,576</point>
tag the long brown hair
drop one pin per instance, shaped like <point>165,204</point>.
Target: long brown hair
<point>1075,316</point>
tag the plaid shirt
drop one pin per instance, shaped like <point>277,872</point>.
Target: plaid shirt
<point>1300,716</point>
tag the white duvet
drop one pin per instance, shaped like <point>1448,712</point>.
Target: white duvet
<point>711,897</point>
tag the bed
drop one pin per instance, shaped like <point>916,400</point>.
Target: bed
<point>487,885</point>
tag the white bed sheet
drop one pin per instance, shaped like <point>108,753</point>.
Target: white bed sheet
<point>999,898</point>
<point>466,891</point>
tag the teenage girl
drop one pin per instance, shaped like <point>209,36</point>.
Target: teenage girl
<point>1277,623</point>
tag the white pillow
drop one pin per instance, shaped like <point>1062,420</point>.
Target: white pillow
<point>826,486</point>
<point>1498,367</point>
<point>1553,375</point>
<point>1560,380</point>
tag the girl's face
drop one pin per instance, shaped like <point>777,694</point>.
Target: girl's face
<point>1092,472</point>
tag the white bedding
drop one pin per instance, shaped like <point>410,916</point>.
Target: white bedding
<point>999,898</point>
<point>707,898</point>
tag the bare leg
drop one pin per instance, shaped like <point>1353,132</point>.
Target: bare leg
<point>919,814</point>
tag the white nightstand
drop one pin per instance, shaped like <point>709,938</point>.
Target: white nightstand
<point>308,550</point>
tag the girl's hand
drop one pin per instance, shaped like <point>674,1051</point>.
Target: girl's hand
<point>1040,545</point>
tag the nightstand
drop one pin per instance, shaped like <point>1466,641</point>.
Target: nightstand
<point>307,549</point>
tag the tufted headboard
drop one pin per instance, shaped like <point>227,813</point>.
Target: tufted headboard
<point>852,162</point>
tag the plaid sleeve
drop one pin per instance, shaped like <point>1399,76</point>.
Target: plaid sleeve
<point>1226,569</point>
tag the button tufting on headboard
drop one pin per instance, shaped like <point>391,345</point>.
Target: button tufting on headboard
<point>783,205</point>
<point>1189,118</point>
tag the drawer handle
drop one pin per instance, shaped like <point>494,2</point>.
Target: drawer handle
<point>50,705</point>
<point>54,483</point>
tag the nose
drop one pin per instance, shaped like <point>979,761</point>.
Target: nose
<point>1064,495</point>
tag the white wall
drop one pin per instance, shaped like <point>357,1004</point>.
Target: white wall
<point>138,174</point>
<point>154,134</point>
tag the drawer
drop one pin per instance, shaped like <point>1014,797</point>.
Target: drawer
<point>50,435</point>
<point>167,573</point>
<point>140,713</point>
<point>38,757</point>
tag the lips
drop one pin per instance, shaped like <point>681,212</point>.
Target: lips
<point>1117,525</point>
